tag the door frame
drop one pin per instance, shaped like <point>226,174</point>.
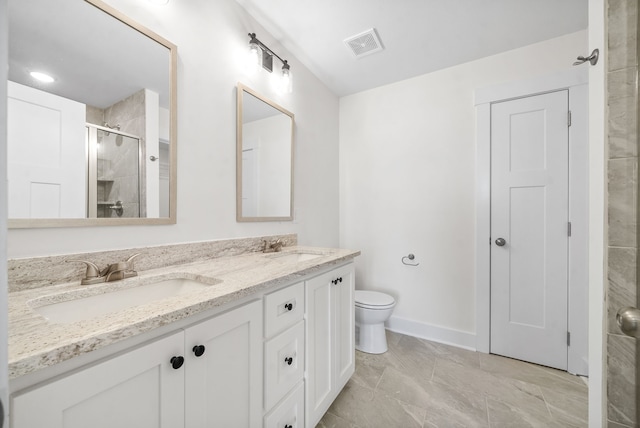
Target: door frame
<point>575,80</point>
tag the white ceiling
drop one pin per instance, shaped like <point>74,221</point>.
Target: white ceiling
<point>419,36</point>
<point>94,58</point>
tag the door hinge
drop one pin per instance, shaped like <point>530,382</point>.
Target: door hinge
<point>569,229</point>
<point>568,339</point>
<point>569,118</point>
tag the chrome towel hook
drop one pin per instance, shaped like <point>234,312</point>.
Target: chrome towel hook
<point>410,257</point>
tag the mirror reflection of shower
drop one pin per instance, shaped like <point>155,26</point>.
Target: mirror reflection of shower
<point>114,172</point>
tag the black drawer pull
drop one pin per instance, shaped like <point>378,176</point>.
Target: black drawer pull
<point>177,362</point>
<point>288,306</point>
<point>288,360</point>
<point>198,350</point>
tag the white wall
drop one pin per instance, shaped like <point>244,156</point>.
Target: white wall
<point>212,38</point>
<point>407,180</point>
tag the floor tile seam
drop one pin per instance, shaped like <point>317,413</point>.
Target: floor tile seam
<point>433,370</point>
<point>574,395</point>
<point>401,402</point>
<point>571,418</point>
<point>375,388</point>
<point>546,403</point>
<point>486,404</point>
<point>511,404</point>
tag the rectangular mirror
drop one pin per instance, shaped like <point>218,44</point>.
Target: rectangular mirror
<point>264,159</point>
<point>96,144</point>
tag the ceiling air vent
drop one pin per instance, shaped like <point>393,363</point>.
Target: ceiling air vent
<point>364,43</point>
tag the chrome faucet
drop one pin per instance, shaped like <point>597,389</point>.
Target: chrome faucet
<point>113,272</point>
<point>272,247</point>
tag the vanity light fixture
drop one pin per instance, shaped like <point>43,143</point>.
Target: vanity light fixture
<point>261,54</point>
<point>42,77</point>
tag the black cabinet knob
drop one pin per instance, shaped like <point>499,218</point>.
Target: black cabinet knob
<point>177,362</point>
<point>340,279</point>
<point>198,350</point>
<point>288,426</point>
<point>288,360</point>
<point>288,306</point>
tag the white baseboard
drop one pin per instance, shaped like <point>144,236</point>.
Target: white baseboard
<point>435,333</point>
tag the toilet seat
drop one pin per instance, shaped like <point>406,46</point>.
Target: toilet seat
<point>373,300</point>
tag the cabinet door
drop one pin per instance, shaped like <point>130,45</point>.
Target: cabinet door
<point>320,350</point>
<point>344,325</point>
<point>224,384</point>
<point>138,389</point>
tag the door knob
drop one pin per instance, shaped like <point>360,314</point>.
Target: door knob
<point>629,320</point>
<point>500,242</point>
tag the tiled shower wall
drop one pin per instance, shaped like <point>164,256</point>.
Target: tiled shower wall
<point>622,98</point>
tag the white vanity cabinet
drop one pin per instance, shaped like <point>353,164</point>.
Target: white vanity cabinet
<point>163,384</point>
<point>139,389</point>
<point>223,376</point>
<point>330,336</point>
<point>277,360</point>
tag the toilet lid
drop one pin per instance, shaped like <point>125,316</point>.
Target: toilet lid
<point>373,298</point>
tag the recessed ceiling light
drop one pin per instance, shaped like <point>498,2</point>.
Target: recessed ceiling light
<point>42,77</point>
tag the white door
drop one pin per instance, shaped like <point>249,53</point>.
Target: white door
<point>47,150</point>
<point>529,225</point>
<point>224,377</point>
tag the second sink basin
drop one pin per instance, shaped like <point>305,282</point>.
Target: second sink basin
<point>74,308</point>
<point>294,256</point>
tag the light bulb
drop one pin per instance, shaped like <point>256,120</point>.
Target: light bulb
<point>42,77</point>
<point>285,80</point>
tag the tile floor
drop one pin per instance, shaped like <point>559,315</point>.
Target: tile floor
<point>418,383</point>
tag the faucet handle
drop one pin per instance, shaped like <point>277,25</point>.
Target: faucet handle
<point>130,260</point>
<point>93,271</point>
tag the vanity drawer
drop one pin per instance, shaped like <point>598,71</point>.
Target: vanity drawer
<point>283,363</point>
<point>289,413</point>
<point>283,308</point>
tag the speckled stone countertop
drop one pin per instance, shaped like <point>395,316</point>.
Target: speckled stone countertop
<point>36,343</point>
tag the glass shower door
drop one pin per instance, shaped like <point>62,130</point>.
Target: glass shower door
<point>114,174</point>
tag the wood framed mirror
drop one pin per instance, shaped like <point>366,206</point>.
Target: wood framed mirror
<point>264,159</point>
<point>97,145</point>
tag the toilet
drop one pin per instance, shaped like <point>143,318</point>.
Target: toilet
<point>372,310</point>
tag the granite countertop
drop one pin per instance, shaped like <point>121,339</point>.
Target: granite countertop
<point>36,343</point>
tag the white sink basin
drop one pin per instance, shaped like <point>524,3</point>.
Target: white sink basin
<point>77,308</point>
<point>295,256</point>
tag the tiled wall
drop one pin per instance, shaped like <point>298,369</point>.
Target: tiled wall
<point>622,402</point>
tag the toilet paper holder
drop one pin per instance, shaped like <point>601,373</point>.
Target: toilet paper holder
<point>410,256</point>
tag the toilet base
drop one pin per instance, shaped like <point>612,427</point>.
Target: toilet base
<point>371,338</point>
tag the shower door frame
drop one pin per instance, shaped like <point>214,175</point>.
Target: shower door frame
<point>92,162</point>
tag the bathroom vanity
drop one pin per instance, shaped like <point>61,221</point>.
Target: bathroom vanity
<point>254,340</point>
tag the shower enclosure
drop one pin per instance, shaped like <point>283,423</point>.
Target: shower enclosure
<point>114,171</point>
